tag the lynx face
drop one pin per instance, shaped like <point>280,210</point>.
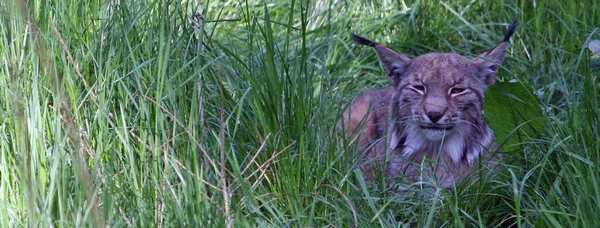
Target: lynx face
<point>445,99</point>
<point>433,110</point>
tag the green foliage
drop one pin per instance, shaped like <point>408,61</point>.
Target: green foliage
<point>514,113</point>
<point>223,113</point>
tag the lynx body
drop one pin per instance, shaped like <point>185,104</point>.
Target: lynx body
<point>428,124</point>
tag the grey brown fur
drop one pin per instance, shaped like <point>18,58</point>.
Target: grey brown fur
<point>428,124</point>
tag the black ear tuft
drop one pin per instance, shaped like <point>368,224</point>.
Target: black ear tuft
<point>363,41</point>
<point>511,30</point>
<point>395,63</point>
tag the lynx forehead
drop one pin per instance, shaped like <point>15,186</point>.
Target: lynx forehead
<point>432,114</point>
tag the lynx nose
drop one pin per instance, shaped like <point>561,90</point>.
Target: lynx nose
<point>434,116</point>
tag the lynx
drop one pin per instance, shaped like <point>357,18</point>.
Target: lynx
<point>428,125</point>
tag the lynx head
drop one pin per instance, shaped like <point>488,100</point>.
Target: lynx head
<point>439,100</point>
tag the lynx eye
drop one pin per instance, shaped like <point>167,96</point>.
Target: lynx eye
<point>419,88</point>
<point>456,90</point>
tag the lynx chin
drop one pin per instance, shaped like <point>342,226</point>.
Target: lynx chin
<point>428,124</point>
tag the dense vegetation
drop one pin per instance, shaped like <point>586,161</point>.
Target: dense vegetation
<point>223,113</point>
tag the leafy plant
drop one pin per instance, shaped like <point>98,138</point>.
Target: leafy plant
<point>514,113</point>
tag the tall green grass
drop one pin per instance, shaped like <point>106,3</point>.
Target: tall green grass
<point>224,113</point>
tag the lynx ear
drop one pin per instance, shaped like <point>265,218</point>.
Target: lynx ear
<point>395,63</point>
<point>489,62</point>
